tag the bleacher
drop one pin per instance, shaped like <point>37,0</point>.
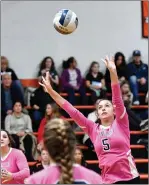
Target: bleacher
<point>138,151</point>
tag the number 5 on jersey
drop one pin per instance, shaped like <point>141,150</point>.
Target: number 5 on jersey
<point>105,144</point>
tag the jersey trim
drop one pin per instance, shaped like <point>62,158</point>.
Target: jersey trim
<point>121,117</point>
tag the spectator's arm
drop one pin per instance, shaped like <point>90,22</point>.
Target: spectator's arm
<point>56,80</point>
<point>29,124</point>
<point>7,125</point>
<point>79,79</point>
<point>33,99</point>
<point>103,83</point>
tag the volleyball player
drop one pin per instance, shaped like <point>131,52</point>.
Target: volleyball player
<point>111,137</point>
<point>60,142</point>
<point>14,166</point>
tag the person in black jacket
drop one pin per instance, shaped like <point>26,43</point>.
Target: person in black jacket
<point>121,68</point>
<point>10,94</point>
<point>6,69</point>
<point>39,99</point>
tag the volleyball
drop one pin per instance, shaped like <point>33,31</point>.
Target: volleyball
<point>65,21</point>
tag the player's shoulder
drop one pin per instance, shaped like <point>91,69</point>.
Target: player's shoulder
<point>42,177</point>
<point>17,152</point>
<point>87,175</point>
<point>86,170</point>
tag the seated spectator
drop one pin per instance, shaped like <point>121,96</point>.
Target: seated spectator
<point>43,163</point>
<point>121,68</point>
<point>72,81</point>
<point>19,126</point>
<point>126,93</point>
<point>10,93</point>
<point>47,64</point>
<point>6,69</point>
<point>95,82</point>
<point>14,166</point>
<point>38,101</point>
<point>52,111</point>
<point>79,158</point>
<point>138,76</point>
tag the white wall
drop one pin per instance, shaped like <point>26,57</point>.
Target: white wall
<point>28,35</point>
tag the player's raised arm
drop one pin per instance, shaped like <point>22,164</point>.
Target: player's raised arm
<point>117,100</point>
<point>78,117</point>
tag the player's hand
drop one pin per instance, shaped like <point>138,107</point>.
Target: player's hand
<point>6,177</point>
<point>110,64</point>
<point>46,82</point>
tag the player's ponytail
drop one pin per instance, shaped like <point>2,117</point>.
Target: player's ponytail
<point>60,141</point>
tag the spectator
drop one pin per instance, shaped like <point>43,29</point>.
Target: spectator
<point>138,76</point>
<point>121,70</point>
<point>47,64</point>
<point>19,126</point>
<point>43,163</point>
<point>126,93</point>
<point>52,111</point>
<point>10,93</point>
<point>14,166</point>
<point>72,80</point>
<point>6,69</point>
<point>39,100</point>
<point>95,82</point>
<point>79,158</point>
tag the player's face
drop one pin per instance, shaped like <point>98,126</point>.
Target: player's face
<point>17,107</point>
<point>49,110</point>
<point>105,110</point>
<point>78,156</point>
<point>4,139</point>
<point>7,80</point>
<point>48,63</point>
<point>45,156</point>
<point>95,68</point>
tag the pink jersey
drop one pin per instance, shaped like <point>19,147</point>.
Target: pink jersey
<point>16,163</point>
<point>51,175</point>
<point>112,144</point>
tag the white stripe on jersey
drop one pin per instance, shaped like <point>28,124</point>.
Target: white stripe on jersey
<point>123,113</point>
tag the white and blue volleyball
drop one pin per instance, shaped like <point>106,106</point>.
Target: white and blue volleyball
<point>65,21</point>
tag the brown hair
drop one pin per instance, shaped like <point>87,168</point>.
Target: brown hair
<point>6,60</point>
<point>11,141</point>
<point>83,162</point>
<point>60,142</point>
<point>55,112</point>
